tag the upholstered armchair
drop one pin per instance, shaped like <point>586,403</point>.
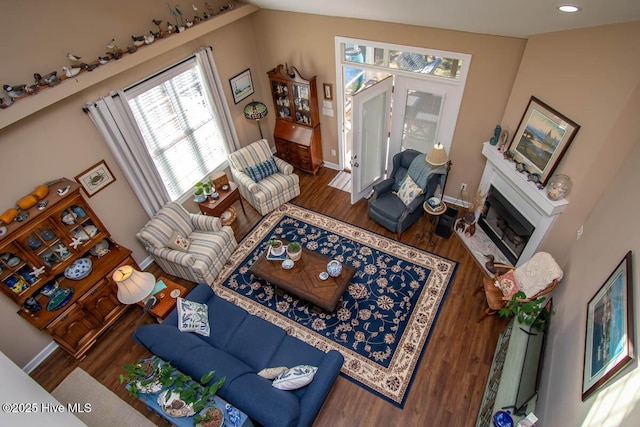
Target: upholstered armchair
<point>264,180</point>
<point>191,246</point>
<point>391,211</point>
<point>537,277</point>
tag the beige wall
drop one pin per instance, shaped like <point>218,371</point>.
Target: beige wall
<point>307,42</point>
<point>62,141</point>
<point>587,75</point>
<point>610,232</point>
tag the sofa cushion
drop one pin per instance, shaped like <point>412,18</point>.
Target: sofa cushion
<point>507,284</point>
<point>252,334</point>
<point>295,378</point>
<point>262,170</point>
<point>193,317</point>
<point>272,373</point>
<point>178,242</point>
<point>252,154</point>
<point>409,190</point>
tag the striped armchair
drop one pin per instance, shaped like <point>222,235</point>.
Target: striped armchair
<point>268,193</point>
<point>210,245</point>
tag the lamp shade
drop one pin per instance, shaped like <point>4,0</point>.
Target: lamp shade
<point>437,155</point>
<point>255,110</point>
<point>133,286</point>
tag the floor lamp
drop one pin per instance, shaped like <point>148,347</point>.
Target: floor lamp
<point>256,110</point>
<point>437,156</point>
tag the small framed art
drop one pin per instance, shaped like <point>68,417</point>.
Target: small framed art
<point>542,138</point>
<point>327,89</point>
<point>609,342</point>
<point>241,85</point>
<point>96,178</point>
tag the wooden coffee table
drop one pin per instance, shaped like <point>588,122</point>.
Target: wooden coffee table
<point>303,279</point>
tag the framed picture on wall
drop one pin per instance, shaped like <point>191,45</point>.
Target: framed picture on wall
<point>542,138</point>
<point>241,85</point>
<point>609,339</point>
<point>96,178</point>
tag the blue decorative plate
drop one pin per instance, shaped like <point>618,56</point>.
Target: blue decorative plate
<point>59,298</point>
<point>502,419</point>
<point>79,269</point>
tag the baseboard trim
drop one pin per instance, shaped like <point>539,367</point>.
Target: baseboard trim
<point>40,357</point>
<point>332,165</point>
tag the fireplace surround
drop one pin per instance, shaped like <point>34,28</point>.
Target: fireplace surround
<point>530,202</point>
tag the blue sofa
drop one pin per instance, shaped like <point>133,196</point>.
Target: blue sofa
<point>239,346</point>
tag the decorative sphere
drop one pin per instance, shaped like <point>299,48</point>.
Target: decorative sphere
<point>559,187</point>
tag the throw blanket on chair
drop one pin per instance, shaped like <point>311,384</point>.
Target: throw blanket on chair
<point>420,171</point>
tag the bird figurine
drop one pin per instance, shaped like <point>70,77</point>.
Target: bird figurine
<point>470,230</point>
<point>111,46</point>
<point>92,67</point>
<point>15,92</point>
<point>156,35</point>
<point>169,27</point>
<point>205,15</point>
<point>137,40</point>
<point>157,22</point>
<point>4,103</point>
<point>73,58</point>
<point>132,49</point>
<point>116,54</point>
<point>189,23</point>
<point>149,39</point>
<point>460,225</point>
<point>71,72</point>
<point>50,79</point>
<point>103,59</point>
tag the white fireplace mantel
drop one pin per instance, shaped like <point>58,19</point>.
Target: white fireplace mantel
<point>531,201</point>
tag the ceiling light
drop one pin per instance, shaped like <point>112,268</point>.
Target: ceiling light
<point>568,8</point>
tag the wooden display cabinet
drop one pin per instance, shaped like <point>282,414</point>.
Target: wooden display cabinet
<point>297,132</point>
<point>34,255</point>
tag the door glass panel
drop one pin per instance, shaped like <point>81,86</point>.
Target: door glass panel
<point>421,120</point>
<point>374,138</point>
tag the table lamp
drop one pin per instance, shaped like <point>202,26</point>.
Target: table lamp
<point>135,286</point>
<point>437,156</point>
<point>256,110</point>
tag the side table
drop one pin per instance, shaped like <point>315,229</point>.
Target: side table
<point>166,299</point>
<point>224,202</point>
<point>434,215</point>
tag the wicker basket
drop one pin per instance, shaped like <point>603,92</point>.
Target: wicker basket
<point>228,216</point>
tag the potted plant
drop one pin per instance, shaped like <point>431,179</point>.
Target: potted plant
<point>204,189</point>
<point>209,417</point>
<point>294,251</point>
<point>142,377</point>
<point>531,313</point>
<point>277,248</point>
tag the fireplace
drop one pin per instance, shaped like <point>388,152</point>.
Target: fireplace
<point>505,225</point>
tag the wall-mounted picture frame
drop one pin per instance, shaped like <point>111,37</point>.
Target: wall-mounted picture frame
<point>327,90</point>
<point>609,341</point>
<point>542,138</point>
<point>96,178</point>
<point>241,85</point>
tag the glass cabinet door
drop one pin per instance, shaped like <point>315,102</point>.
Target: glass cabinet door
<point>281,99</point>
<point>16,273</point>
<point>301,102</point>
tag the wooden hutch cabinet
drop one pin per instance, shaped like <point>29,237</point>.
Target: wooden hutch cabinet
<point>34,255</point>
<point>297,131</point>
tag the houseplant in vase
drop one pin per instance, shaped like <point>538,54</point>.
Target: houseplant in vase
<point>527,312</point>
<point>277,248</point>
<point>294,251</point>
<point>206,190</point>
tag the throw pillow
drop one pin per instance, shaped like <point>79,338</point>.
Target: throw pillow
<point>272,373</point>
<point>508,284</point>
<point>262,170</point>
<point>409,190</point>
<point>295,378</point>
<point>178,242</point>
<point>193,317</point>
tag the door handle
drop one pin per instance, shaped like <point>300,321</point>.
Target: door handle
<point>353,162</point>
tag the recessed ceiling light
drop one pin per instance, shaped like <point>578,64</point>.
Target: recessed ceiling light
<point>568,8</point>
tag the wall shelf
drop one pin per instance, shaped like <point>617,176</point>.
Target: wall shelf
<point>49,96</point>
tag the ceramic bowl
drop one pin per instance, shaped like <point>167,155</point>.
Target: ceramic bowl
<point>48,289</point>
<point>287,264</point>
<point>434,202</point>
<point>225,187</point>
<point>324,275</point>
<point>100,248</point>
<point>79,269</point>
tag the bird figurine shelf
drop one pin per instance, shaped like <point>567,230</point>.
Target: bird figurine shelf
<point>50,79</point>
<point>15,92</point>
<point>71,72</point>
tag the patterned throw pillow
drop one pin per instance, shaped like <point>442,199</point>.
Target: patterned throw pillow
<point>508,284</point>
<point>295,378</point>
<point>193,317</point>
<point>272,373</point>
<point>408,190</point>
<point>178,242</point>
<point>262,170</point>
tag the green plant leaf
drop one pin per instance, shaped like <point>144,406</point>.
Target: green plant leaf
<point>207,377</point>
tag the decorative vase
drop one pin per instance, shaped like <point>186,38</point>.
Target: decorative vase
<point>277,248</point>
<point>294,254</point>
<point>334,268</point>
<point>558,187</point>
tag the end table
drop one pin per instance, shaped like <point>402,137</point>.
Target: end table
<point>166,299</point>
<point>224,202</point>
<point>434,216</point>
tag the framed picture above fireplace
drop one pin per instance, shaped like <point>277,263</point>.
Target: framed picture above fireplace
<point>542,138</point>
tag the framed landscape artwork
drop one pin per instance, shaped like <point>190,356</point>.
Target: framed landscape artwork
<point>609,339</point>
<point>542,138</point>
<point>241,85</point>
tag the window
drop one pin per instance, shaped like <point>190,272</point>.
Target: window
<point>179,126</point>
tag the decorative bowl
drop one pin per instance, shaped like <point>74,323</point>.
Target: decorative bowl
<point>79,269</point>
<point>100,248</point>
<point>225,187</point>
<point>324,275</point>
<point>287,264</point>
<point>48,289</point>
<point>434,202</point>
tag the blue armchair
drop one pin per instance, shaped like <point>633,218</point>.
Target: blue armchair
<point>387,209</point>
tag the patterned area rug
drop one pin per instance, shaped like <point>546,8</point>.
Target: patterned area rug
<point>385,318</point>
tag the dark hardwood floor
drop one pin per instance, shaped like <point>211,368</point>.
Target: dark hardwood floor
<point>448,387</point>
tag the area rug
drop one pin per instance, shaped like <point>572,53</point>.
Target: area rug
<point>385,318</point>
<point>106,409</point>
<point>342,181</point>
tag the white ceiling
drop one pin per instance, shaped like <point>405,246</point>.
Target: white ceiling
<point>514,18</point>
